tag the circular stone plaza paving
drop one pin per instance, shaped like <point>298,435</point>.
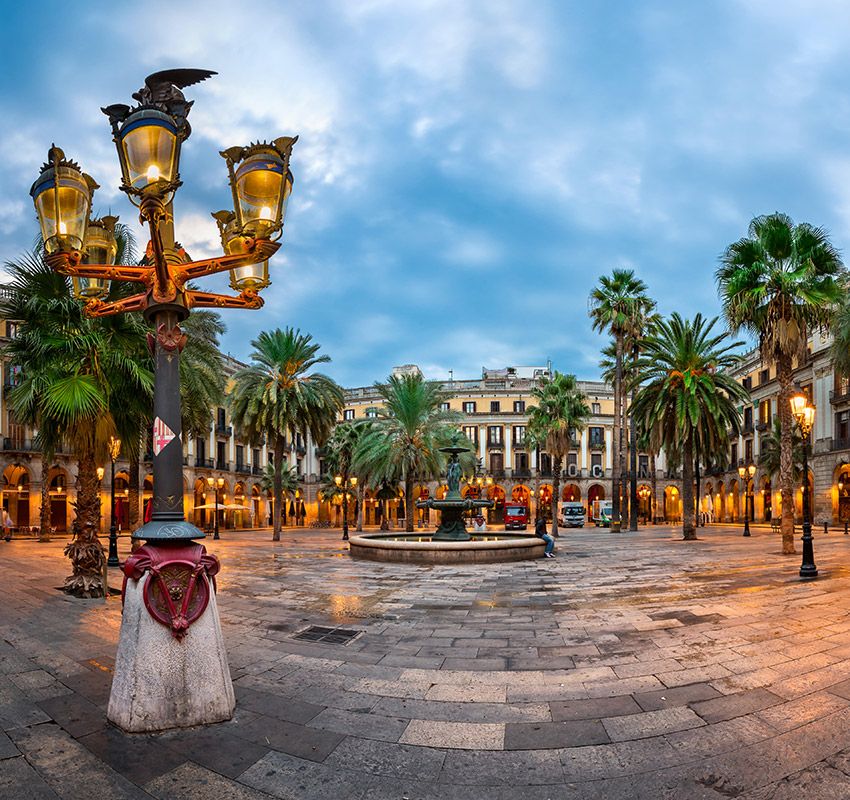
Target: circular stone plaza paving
<point>632,666</point>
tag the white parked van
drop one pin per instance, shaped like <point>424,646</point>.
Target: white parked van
<point>571,514</point>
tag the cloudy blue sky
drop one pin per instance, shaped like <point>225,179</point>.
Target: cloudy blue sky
<point>466,169</point>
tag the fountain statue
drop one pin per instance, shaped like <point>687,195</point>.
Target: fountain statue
<point>452,506</point>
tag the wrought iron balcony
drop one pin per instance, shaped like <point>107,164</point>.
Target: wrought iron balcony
<point>14,445</point>
<point>222,465</point>
<point>256,470</point>
<point>245,469</point>
<point>838,397</point>
<point>204,463</point>
<point>224,430</point>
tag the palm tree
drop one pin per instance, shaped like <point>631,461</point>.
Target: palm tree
<point>339,451</point>
<point>688,400</point>
<point>278,396</point>
<point>770,451</point>
<point>778,283</point>
<point>619,306</point>
<point>560,412</point>
<point>403,441</point>
<point>288,484</point>
<point>75,375</point>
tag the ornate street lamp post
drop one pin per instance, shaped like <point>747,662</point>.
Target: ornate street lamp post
<point>114,447</point>
<point>746,474</point>
<point>804,413</point>
<point>216,485</point>
<point>183,678</point>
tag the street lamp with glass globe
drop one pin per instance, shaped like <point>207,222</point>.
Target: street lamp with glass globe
<point>804,414</point>
<point>153,687</point>
<point>746,474</point>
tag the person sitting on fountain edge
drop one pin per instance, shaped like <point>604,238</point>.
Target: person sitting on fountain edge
<point>540,530</point>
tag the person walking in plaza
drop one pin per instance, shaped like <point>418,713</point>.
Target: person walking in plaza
<point>540,530</point>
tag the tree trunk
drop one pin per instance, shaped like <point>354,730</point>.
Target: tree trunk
<point>633,454</point>
<point>277,487</point>
<point>616,465</point>
<point>133,483</point>
<point>688,529</point>
<point>85,551</point>
<point>786,465</point>
<point>557,459</point>
<point>44,514</point>
<point>408,503</point>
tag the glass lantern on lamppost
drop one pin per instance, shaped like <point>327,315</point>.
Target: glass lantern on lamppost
<point>62,195</point>
<point>804,414</point>
<point>148,142</point>
<point>746,474</point>
<point>114,449</point>
<point>100,248</point>
<point>216,485</point>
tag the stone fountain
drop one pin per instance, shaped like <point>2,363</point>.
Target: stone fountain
<point>452,506</point>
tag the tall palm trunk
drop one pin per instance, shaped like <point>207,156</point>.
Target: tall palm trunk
<point>633,478</point>
<point>277,488</point>
<point>408,503</point>
<point>557,459</point>
<point>618,436</point>
<point>786,447</point>
<point>85,550</point>
<point>133,483</point>
<point>44,515</point>
<point>688,529</point>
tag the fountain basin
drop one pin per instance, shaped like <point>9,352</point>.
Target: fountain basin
<point>414,548</point>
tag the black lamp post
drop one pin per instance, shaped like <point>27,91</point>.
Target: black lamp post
<point>112,560</point>
<point>215,485</point>
<point>746,474</point>
<point>344,481</point>
<point>804,413</point>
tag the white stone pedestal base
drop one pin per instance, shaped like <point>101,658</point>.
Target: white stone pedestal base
<point>162,683</point>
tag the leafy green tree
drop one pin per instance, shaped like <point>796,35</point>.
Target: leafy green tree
<point>75,374</point>
<point>688,399</point>
<point>288,485</point>
<point>771,448</point>
<point>779,283</point>
<point>619,306</point>
<point>339,452</point>
<point>277,396</point>
<point>403,442</point>
<point>559,413</point>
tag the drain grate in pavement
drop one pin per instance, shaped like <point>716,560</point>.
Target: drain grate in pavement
<point>321,635</point>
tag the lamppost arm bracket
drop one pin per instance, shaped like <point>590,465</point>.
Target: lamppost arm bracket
<point>259,251</point>
<point>99,308</point>
<point>247,299</point>
<point>66,264</point>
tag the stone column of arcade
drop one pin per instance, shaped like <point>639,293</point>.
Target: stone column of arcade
<point>171,667</point>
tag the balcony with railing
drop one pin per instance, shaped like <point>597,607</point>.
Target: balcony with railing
<point>15,445</point>
<point>222,465</point>
<point>244,469</point>
<point>256,470</point>
<point>224,430</point>
<point>204,463</point>
<point>840,443</point>
<point>596,444</point>
<point>837,397</point>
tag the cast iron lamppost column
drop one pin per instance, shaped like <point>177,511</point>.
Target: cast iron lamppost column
<point>339,480</point>
<point>148,138</point>
<point>804,413</point>
<point>746,474</point>
<point>114,449</point>
<point>215,485</point>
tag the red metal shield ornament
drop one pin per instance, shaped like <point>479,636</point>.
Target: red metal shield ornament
<point>178,588</point>
<point>177,594</point>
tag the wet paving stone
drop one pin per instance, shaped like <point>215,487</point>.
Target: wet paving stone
<point>663,670</point>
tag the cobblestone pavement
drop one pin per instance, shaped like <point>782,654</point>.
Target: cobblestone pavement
<point>632,666</point>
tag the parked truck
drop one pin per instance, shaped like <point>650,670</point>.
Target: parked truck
<point>602,513</point>
<point>571,514</point>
